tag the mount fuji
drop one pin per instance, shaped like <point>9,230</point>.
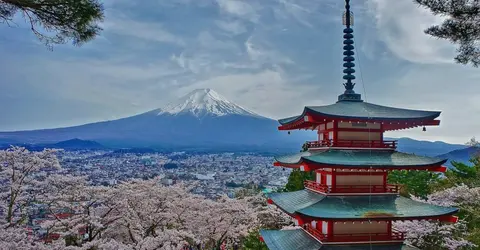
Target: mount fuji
<point>202,119</point>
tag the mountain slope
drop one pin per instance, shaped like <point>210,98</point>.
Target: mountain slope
<point>200,119</point>
<point>460,155</point>
<point>201,102</point>
<point>427,148</point>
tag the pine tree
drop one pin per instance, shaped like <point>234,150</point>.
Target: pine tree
<point>57,21</point>
<point>296,179</point>
<point>461,26</point>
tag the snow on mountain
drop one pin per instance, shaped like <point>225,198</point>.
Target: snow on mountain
<point>204,101</point>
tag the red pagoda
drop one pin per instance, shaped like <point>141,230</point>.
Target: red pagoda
<point>350,205</point>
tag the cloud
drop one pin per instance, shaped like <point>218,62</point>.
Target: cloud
<point>241,9</point>
<point>401,26</point>
<point>233,27</point>
<point>272,56</point>
<point>149,31</point>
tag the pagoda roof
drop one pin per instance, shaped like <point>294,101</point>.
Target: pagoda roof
<point>298,239</point>
<point>364,110</point>
<point>361,111</point>
<point>360,159</point>
<point>316,205</point>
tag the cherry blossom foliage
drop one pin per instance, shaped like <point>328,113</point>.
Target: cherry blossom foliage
<point>20,173</point>
<point>437,235</point>
<point>133,215</point>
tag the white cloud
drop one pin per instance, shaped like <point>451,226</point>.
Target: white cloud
<point>233,27</point>
<point>149,31</point>
<point>401,26</point>
<point>239,8</point>
<point>261,51</point>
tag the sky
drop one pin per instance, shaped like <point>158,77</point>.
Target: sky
<point>271,56</point>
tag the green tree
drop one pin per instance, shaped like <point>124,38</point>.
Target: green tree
<point>462,173</point>
<point>417,183</point>
<point>253,242</point>
<point>461,26</point>
<point>57,21</point>
<point>296,179</point>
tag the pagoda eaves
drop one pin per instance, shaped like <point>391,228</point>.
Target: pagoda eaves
<point>310,206</point>
<point>360,112</point>
<point>359,159</point>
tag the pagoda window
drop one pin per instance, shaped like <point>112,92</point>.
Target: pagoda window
<point>330,125</point>
<point>361,180</point>
<point>324,227</point>
<point>329,179</point>
<point>330,135</point>
<point>361,227</point>
<point>359,125</point>
<point>359,136</point>
<point>319,178</point>
<point>321,127</point>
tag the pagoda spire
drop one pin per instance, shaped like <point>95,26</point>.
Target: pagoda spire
<point>348,59</point>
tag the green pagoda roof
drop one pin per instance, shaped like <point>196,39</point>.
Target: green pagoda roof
<point>315,205</point>
<point>298,239</point>
<point>363,110</point>
<point>361,158</point>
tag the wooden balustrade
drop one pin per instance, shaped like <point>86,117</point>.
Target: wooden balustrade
<point>355,237</point>
<point>351,188</point>
<point>352,144</point>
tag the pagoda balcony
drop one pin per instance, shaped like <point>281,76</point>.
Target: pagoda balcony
<point>352,144</point>
<point>369,189</point>
<point>394,236</point>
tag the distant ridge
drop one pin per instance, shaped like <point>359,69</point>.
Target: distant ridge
<point>76,144</point>
<point>73,144</point>
<point>460,155</point>
<point>427,148</point>
<point>201,120</point>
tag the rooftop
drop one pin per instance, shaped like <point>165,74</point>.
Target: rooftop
<point>315,205</point>
<point>393,118</point>
<point>298,239</point>
<point>360,159</point>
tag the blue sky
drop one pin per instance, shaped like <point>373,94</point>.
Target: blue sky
<point>271,56</point>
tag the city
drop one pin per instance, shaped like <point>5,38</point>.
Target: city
<point>211,175</point>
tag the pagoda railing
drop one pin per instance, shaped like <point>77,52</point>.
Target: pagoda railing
<point>352,144</point>
<point>315,186</point>
<point>355,237</point>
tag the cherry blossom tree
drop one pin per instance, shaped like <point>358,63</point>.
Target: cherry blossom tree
<point>20,173</point>
<point>138,214</point>
<point>437,235</point>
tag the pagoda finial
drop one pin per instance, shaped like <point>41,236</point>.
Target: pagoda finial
<point>348,59</point>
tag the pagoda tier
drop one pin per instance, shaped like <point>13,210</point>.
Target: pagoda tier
<point>303,239</point>
<point>352,220</point>
<point>359,159</point>
<point>386,118</point>
<point>306,206</point>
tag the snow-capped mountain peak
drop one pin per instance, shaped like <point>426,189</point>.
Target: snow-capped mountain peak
<point>201,102</point>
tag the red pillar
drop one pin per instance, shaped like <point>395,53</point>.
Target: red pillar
<point>381,132</point>
<point>334,180</point>
<point>335,132</point>
<point>330,229</point>
<point>385,174</point>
